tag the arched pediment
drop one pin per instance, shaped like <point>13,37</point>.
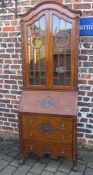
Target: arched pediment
<point>50,5</point>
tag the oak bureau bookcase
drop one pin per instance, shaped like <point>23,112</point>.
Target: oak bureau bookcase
<point>48,105</point>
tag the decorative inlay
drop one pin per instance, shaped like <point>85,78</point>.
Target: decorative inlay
<point>47,102</point>
<point>47,128</point>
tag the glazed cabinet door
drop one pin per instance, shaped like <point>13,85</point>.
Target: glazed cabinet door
<point>49,40</point>
<point>62,57</point>
<point>36,52</point>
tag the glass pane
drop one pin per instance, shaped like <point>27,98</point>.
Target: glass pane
<point>61,51</point>
<point>36,52</point>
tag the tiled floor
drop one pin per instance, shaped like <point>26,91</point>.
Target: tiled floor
<point>42,166</point>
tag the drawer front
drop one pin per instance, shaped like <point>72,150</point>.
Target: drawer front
<point>33,147</point>
<point>56,123</point>
<point>30,120</point>
<point>54,136</point>
<point>61,150</point>
<point>41,148</point>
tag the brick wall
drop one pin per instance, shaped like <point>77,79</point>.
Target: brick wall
<point>85,83</point>
<point>11,82</point>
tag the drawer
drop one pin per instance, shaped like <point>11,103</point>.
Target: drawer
<point>61,150</point>
<point>30,120</point>
<point>61,123</point>
<point>54,136</point>
<point>33,147</point>
<point>56,123</point>
<point>41,148</point>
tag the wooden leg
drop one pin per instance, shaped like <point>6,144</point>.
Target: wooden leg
<point>75,169</point>
<point>21,158</point>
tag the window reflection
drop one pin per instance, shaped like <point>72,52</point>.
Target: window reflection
<point>61,51</point>
<point>36,52</point>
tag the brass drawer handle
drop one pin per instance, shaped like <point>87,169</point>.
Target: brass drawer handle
<point>31,147</point>
<point>30,122</point>
<point>62,150</point>
<point>30,134</point>
<point>62,126</point>
<point>62,137</point>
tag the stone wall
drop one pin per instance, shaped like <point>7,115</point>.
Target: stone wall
<point>11,83</point>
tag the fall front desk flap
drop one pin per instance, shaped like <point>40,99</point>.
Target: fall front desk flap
<point>48,102</point>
